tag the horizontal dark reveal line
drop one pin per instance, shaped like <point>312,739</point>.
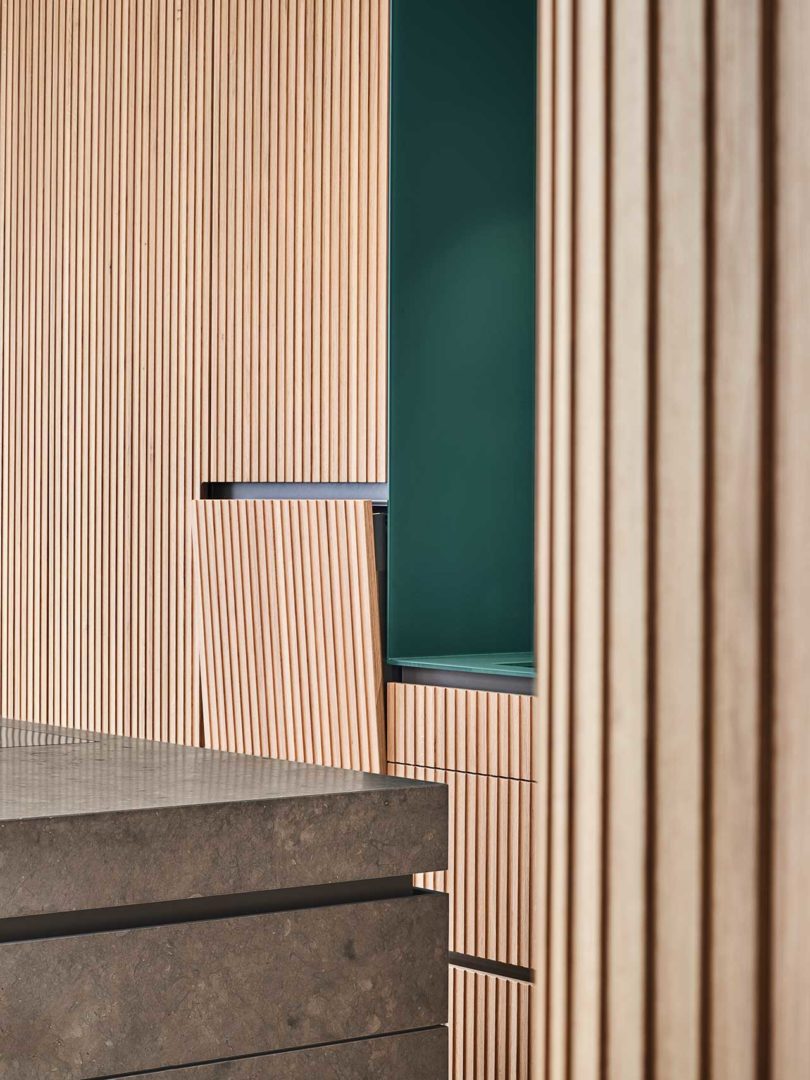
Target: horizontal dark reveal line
<point>289,489</point>
<point>460,772</point>
<point>267,1053</point>
<point>195,909</point>
<point>491,967</point>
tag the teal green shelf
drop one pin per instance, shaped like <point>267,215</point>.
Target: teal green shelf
<point>462,334</point>
<point>519,664</point>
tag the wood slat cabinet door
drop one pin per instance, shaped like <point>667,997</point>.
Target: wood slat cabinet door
<point>478,743</point>
<point>288,630</point>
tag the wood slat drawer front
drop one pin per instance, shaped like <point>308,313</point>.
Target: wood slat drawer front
<point>132,1000</point>
<point>416,1055</point>
<point>489,1026</point>
<point>464,730</point>
<point>489,875</point>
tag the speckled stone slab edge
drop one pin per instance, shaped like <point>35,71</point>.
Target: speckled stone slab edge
<point>156,823</point>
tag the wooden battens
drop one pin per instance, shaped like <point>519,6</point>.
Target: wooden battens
<point>489,1026</point>
<point>288,630</point>
<point>471,731</point>
<point>673,530</point>
<point>480,744</point>
<point>105,179</point>
<point>489,876</point>
<point>299,309</point>
<point>787,356</point>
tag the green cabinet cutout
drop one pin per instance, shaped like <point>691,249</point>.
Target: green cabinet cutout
<point>462,333</point>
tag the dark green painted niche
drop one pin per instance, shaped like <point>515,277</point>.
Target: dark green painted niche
<point>462,289</point>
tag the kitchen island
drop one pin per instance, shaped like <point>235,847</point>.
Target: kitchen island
<point>214,915</point>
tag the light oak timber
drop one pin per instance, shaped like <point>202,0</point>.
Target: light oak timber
<point>671,593</point>
<point>479,743</point>
<point>288,630</point>
<point>105,297</point>
<point>737,404</point>
<point>787,357</point>
<point>489,1026</point>
<point>471,731</point>
<point>194,203</point>
<point>489,874</point>
<point>299,293</point>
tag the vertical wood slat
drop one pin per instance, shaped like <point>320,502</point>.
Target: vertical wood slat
<point>117,226</point>
<point>627,508</point>
<point>102,441</point>
<point>679,531</point>
<point>301,243</point>
<point>587,550</point>
<point>558,684</point>
<point>700,732</point>
<point>288,630</point>
<point>489,1026</point>
<point>736,689</point>
<point>788,351</point>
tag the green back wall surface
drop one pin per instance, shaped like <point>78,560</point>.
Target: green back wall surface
<point>461,327</point>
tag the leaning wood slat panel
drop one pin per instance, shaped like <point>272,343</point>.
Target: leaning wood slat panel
<point>489,1026</point>
<point>489,864</point>
<point>462,730</point>
<point>791,737</point>
<point>301,253</point>
<point>288,630</point>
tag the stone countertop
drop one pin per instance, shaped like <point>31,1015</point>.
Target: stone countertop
<point>95,821</point>
<point>52,772</point>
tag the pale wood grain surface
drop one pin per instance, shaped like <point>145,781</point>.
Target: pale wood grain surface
<point>288,630</point>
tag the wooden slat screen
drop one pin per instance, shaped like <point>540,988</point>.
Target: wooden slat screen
<point>289,635</point>
<point>673,531</point>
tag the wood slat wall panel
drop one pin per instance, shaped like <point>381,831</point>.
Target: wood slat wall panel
<point>299,356</point>
<point>288,630</point>
<point>472,731</point>
<point>104,294</point>
<point>489,873</point>
<point>149,300</point>
<point>489,1026</point>
<point>675,893</point>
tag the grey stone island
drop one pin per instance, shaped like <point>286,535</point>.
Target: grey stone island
<point>214,915</point>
